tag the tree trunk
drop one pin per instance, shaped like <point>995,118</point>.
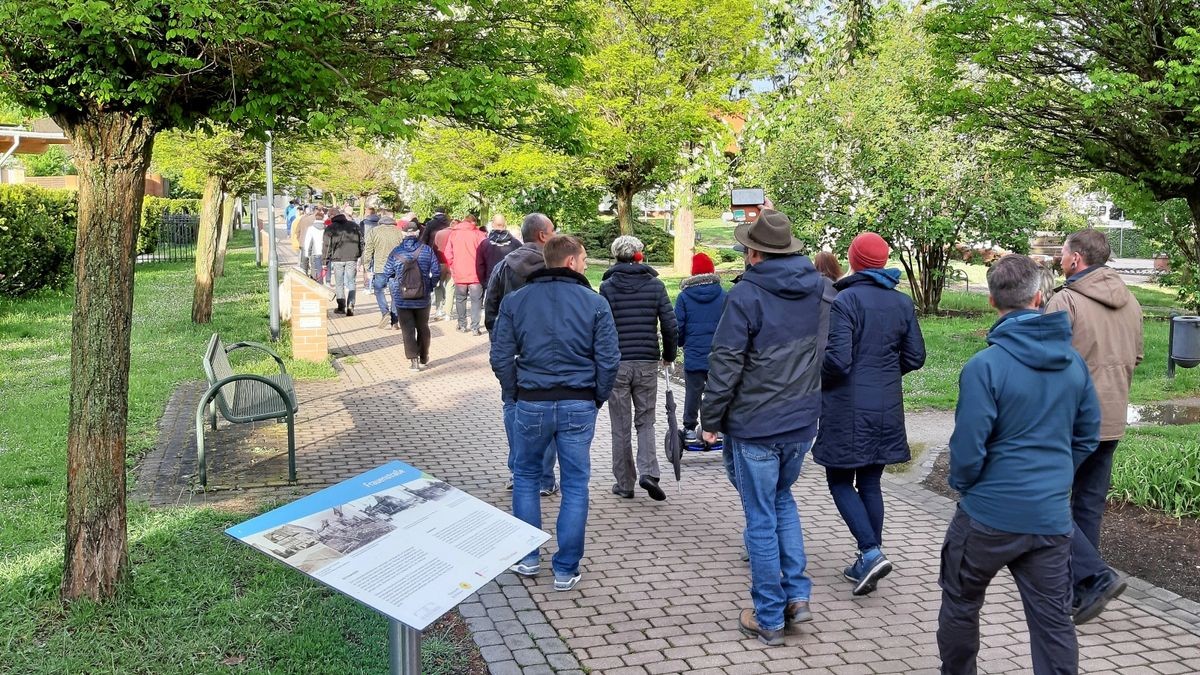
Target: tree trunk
<point>685,234</point>
<point>624,196</point>
<point>224,232</point>
<point>112,152</point>
<point>206,249</point>
<point>1191,251</point>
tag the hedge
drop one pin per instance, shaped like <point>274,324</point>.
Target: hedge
<point>37,235</point>
<point>37,238</point>
<point>598,237</point>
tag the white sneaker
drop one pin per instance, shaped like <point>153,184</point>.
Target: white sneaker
<point>527,570</point>
<point>566,583</point>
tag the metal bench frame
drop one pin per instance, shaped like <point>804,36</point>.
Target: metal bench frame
<point>214,399</point>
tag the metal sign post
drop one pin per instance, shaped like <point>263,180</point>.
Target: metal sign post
<point>254,229</point>
<point>404,649</point>
<point>272,253</point>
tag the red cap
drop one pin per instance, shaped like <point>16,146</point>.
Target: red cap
<point>702,264</point>
<point>868,251</point>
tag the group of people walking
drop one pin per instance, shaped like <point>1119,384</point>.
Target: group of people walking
<point>794,358</point>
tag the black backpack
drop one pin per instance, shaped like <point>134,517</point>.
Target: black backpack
<point>412,282</point>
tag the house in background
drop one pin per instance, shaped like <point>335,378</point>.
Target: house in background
<point>42,135</point>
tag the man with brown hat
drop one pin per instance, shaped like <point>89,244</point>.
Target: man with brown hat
<point>1106,330</point>
<point>764,395</point>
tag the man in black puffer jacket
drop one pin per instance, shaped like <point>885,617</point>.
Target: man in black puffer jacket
<point>641,309</point>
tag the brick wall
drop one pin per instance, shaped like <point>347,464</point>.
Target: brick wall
<point>309,316</point>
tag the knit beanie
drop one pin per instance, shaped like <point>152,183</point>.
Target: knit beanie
<point>868,251</point>
<point>702,264</point>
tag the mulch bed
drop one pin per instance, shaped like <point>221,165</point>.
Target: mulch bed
<point>1145,543</point>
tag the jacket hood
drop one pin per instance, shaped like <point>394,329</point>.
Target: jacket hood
<point>339,218</point>
<point>630,276</point>
<point>463,225</point>
<point>885,278</point>
<point>1104,286</point>
<point>789,277</point>
<point>526,260</point>
<point>1040,341</point>
<point>702,287</point>
<point>499,236</point>
<point>699,280</point>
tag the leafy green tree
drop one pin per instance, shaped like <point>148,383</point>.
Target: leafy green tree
<point>355,168</point>
<point>1108,87</point>
<point>657,84</point>
<point>858,152</point>
<point>114,74</point>
<point>55,161</point>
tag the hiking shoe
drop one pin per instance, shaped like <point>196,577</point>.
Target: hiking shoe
<point>546,492</point>
<point>797,612</point>
<point>870,567</point>
<point>624,494</point>
<point>1093,602</point>
<point>526,569</point>
<point>566,583</point>
<point>650,485</point>
<point>748,624</point>
<point>508,484</point>
<point>691,437</point>
<point>385,322</point>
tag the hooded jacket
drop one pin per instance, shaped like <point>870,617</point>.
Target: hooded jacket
<point>427,262</point>
<point>314,239</point>
<point>343,240</point>
<point>1027,416</point>
<point>510,275</point>
<point>462,245</point>
<point>1106,329</point>
<point>641,309</point>
<point>381,241</point>
<point>492,250</point>
<point>874,339</point>
<point>697,312</point>
<point>436,223</point>
<point>555,340</point>
<point>764,377</point>
<point>368,223</point>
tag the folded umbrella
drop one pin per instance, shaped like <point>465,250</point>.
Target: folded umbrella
<point>673,443</point>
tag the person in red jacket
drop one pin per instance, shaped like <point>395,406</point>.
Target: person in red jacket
<point>462,250</point>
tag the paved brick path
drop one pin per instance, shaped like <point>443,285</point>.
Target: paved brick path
<point>662,581</point>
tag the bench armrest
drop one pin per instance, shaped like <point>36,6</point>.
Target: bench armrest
<point>216,387</point>
<point>261,348</point>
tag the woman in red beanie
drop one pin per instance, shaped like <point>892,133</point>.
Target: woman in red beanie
<point>874,339</point>
<point>697,311</point>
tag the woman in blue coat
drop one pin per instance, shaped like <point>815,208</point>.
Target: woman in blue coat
<point>874,339</point>
<point>697,312</point>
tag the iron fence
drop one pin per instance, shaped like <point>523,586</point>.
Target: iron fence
<point>177,236</point>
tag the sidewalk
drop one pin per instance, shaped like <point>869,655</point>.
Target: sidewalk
<point>663,581</point>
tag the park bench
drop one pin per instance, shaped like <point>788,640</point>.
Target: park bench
<point>243,398</point>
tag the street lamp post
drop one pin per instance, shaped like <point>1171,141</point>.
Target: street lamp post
<point>272,253</point>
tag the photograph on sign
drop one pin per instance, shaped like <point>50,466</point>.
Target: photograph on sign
<point>396,539</point>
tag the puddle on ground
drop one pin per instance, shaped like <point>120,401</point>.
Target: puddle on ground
<point>1164,414</point>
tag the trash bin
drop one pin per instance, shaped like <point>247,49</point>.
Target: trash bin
<point>1185,341</point>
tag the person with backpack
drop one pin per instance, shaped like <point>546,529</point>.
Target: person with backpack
<point>413,268</point>
<point>697,312</point>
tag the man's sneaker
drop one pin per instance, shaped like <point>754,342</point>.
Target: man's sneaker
<point>748,624</point>
<point>1093,602</point>
<point>385,322</point>
<point>526,569</point>
<point>546,492</point>
<point>624,494</point>
<point>566,583</point>
<point>414,364</point>
<point>650,485</point>
<point>866,572</point>
<point>508,484</point>
<point>691,437</point>
<point>797,612</point>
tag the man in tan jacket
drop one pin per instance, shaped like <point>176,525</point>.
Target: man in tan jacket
<point>1106,327</point>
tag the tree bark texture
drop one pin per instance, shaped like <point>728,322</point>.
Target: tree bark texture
<point>624,197</point>
<point>112,152</point>
<point>206,249</point>
<point>225,231</point>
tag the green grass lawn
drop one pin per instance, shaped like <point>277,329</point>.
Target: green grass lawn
<point>196,602</point>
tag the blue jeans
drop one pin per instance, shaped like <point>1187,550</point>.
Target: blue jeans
<point>861,506</point>
<point>571,424</point>
<point>345,280</point>
<point>765,474</point>
<point>378,283</point>
<point>547,477</point>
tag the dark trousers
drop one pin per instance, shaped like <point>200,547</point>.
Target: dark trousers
<point>695,382</point>
<point>1089,495</point>
<point>859,499</point>
<point>972,555</point>
<point>414,328</point>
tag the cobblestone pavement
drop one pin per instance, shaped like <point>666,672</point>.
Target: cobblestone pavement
<point>662,582</point>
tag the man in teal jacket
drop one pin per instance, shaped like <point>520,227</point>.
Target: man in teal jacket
<point>1027,416</point>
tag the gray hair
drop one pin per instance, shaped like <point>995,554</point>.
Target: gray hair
<point>625,246</point>
<point>533,225</point>
<point>1013,281</point>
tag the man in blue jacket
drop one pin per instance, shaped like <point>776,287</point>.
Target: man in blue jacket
<point>555,353</point>
<point>764,394</point>
<point>1027,416</point>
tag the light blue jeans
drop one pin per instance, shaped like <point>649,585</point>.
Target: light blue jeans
<point>571,424</point>
<point>764,474</point>
<point>547,479</point>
